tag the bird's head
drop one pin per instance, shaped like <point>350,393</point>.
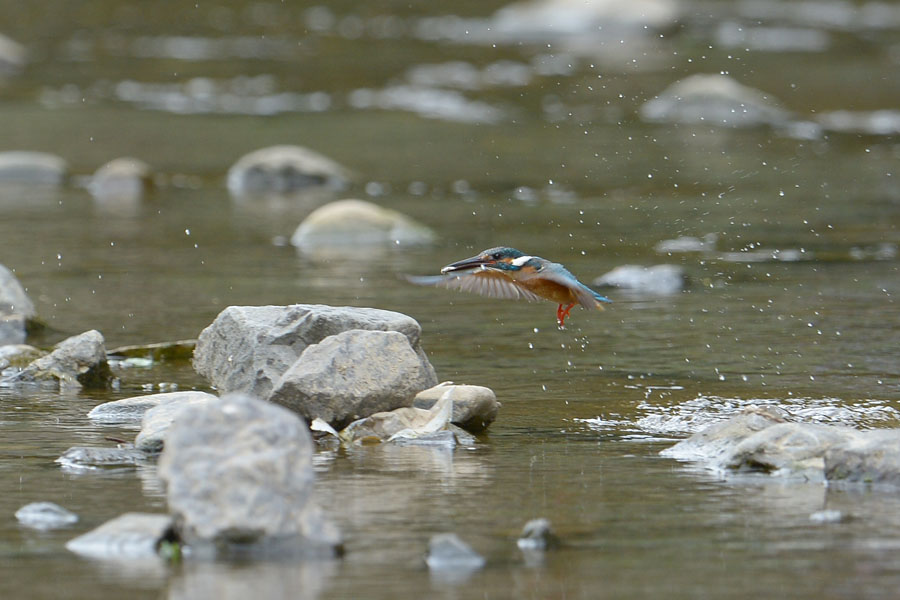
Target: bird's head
<point>498,259</point>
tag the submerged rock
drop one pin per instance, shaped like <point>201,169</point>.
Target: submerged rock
<point>715,444</point>
<point>351,375</point>
<point>239,478</point>
<point>22,167</point>
<point>715,100</point>
<point>284,170</point>
<point>474,407</point>
<point>537,535</point>
<point>121,178</point>
<point>248,348</point>
<point>45,515</point>
<point>127,537</point>
<point>12,56</point>
<point>658,279</point>
<point>157,420</point>
<point>795,448</point>
<point>88,457</point>
<point>871,457</point>
<point>447,552</point>
<point>351,223</point>
<point>75,362</point>
<point>132,410</point>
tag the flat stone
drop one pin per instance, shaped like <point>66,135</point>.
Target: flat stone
<point>45,515</point>
<point>249,348</point>
<point>22,167</point>
<point>284,170</point>
<point>131,410</point>
<point>157,420</point>
<point>239,477</point>
<point>127,537</point>
<point>354,223</point>
<point>352,375</point>
<point>89,457</point>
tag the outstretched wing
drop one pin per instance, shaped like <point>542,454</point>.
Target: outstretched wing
<point>478,281</point>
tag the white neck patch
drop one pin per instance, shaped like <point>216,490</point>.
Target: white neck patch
<point>518,262</point>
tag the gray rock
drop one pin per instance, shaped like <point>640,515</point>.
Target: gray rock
<point>248,348</point>
<point>474,407</point>
<point>127,537</point>
<point>45,515</point>
<point>658,279</point>
<point>88,457</point>
<point>537,535</point>
<point>687,243</point>
<point>12,330</point>
<point>239,476</point>
<point>19,355</point>
<point>352,375</point>
<point>23,167</point>
<point>447,552</point>
<point>827,516</point>
<point>75,362</point>
<point>352,223</point>
<point>131,410</point>
<point>715,443</point>
<point>13,299</point>
<point>157,420</point>
<point>714,100</point>
<point>121,178</point>
<point>871,457</point>
<point>12,56</point>
<point>788,448</point>
<point>284,170</point>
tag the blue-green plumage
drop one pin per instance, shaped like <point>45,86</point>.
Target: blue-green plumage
<point>504,272</point>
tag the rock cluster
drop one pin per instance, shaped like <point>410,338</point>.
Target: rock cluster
<point>763,440</point>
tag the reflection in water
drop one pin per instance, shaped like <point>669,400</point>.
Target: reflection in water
<point>276,580</point>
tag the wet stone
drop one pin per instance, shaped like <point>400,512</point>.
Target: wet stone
<point>447,552</point>
<point>658,279</point>
<point>45,515</point>
<point>89,457</point>
<point>475,407</point>
<point>284,170</point>
<point>21,167</point>
<point>157,420</point>
<point>132,410</point>
<point>122,178</point>
<point>13,299</point>
<point>872,457</point>
<point>127,537</point>
<point>75,362</point>
<point>537,535</point>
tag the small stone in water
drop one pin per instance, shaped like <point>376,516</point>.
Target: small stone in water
<point>827,516</point>
<point>447,552</point>
<point>537,535</point>
<point>45,515</point>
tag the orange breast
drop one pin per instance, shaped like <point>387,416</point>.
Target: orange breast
<point>549,290</point>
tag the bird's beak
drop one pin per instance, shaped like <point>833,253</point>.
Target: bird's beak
<point>475,262</point>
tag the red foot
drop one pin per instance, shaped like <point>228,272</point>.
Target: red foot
<point>562,314</point>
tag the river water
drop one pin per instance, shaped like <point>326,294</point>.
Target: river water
<point>530,139</point>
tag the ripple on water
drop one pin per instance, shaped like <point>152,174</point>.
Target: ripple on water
<point>677,420</point>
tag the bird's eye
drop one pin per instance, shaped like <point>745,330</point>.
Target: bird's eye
<point>496,255</point>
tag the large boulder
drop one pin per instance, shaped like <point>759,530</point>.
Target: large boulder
<point>872,457</point>
<point>351,375</point>
<point>351,223</point>
<point>75,362</point>
<point>239,477</point>
<point>284,170</point>
<point>248,348</point>
<point>23,167</point>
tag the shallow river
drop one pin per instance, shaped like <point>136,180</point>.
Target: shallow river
<point>530,139</point>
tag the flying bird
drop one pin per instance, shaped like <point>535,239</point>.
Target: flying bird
<point>508,273</point>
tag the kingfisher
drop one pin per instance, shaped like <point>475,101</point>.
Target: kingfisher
<point>504,272</point>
